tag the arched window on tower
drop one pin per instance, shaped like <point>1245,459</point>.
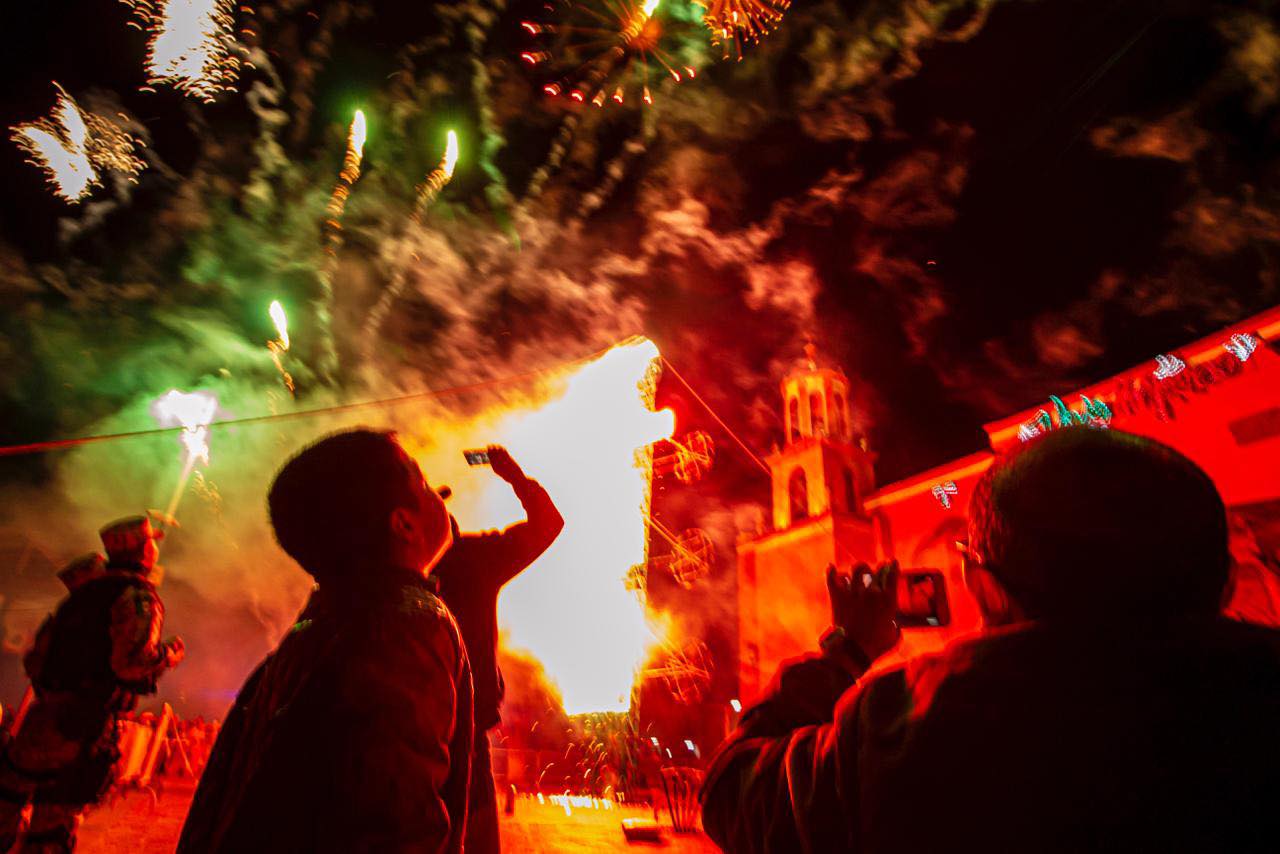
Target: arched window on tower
<point>837,417</point>
<point>850,490</point>
<point>815,415</point>
<point>798,488</point>
<point>793,419</point>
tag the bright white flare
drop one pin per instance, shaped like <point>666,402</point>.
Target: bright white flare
<point>358,134</point>
<point>572,609</point>
<point>276,310</point>
<point>450,154</point>
<point>58,146</point>
<point>73,147</point>
<point>589,446</point>
<point>192,44</point>
<point>194,413</point>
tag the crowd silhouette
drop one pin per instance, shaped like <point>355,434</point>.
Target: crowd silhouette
<point>1107,703</point>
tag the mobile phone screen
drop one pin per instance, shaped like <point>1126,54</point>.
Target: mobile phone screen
<point>476,458</point>
<point>922,599</point>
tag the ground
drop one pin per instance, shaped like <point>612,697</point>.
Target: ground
<point>137,823</point>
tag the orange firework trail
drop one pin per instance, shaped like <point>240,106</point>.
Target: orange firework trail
<point>597,42</point>
<point>72,146</point>
<point>332,228</point>
<point>280,345</point>
<point>427,191</point>
<point>191,46</point>
<point>438,177</point>
<point>734,23</point>
<point>346,178</point>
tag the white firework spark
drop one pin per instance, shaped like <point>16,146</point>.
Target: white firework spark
<point>73,146</point>
<point>192,44</point>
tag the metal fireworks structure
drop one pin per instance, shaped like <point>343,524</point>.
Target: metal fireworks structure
<point>689,458</point>
<point>191,45</point>
<point>735,24</point>
<point>691,557</point>
<point>686,671</point>
<point>594,48</point>
<point>73,147</point>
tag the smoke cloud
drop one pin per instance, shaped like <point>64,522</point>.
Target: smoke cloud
<point>967,205</point>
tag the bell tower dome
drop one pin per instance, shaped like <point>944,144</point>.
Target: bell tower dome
<point>822,467</point>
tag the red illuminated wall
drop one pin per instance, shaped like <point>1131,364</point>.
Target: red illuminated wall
<point>782,591</point>
<point>1219,411</point>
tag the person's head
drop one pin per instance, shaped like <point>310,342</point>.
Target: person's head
<point>355,502</point>
<point>130,543</point>
<point>82,569</point>
<point>1096,525</point>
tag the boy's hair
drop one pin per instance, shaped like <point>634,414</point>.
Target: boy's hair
<point>331,504</point>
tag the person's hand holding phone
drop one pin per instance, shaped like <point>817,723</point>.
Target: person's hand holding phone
<point>502,464</point>
<point>864,604</point>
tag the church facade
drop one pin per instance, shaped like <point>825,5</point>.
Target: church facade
<point>1216,400</point>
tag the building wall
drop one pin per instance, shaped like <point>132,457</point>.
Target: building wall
<point>1221,412</point>
<point>782,592</point>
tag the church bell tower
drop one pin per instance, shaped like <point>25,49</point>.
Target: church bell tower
<point>822,468</point>
<point>821,474</point>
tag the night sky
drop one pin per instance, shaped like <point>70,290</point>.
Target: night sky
<point>968,205</point>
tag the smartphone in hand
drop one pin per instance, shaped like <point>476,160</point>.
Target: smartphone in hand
<point>922,599</point>
<point>476,458</point>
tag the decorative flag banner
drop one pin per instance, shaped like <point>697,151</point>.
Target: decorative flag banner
<point>1095,414</point>
<point>1241,346</point>
<point>1168,366</point>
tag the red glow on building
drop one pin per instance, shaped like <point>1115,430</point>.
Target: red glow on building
<point>1221,411</point>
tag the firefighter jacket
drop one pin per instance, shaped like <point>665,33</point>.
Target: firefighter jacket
<point>1143,737</point>
<point>354,735</point>
<point>472,573</point>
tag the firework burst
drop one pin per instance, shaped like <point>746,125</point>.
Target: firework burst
<point>598,49</point>
<point>72,146</point>
<point>734,24</point>
<point>192,44</point>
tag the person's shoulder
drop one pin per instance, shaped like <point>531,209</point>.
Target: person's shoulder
<point>425,615</point>
<point>121,588</point>
<point>1247,639</point>
<point>896,687</point>
<point>417,602</point>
